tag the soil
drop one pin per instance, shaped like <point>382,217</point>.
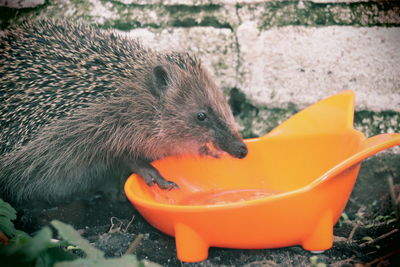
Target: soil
<point>367,233</point>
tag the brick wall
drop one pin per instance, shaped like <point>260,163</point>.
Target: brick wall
<point>279,56</point>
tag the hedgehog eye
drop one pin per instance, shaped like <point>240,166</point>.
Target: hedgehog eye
<point>201,116</point>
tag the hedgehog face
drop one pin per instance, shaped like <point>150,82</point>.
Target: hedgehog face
<point>195,116</point>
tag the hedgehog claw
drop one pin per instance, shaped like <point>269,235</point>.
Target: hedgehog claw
<point>165,184</point>
<point>152,177</point>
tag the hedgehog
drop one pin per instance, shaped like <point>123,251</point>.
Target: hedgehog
<point>81,105</point>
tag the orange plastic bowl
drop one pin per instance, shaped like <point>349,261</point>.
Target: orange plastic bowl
<point>290,189</point>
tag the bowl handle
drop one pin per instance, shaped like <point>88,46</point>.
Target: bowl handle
<point>368,148</point>
<point>380,142</point>
<point>371,146</point>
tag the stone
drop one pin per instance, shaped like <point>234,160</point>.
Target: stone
<point>21,3</point>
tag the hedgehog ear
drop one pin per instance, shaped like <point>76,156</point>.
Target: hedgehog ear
<point>161,79</point>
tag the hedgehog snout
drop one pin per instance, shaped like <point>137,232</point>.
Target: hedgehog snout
<point>242,151</point>
<point>233,145</point>
<point>239,150</point>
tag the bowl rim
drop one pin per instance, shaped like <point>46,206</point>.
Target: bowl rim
<point>349,162</point>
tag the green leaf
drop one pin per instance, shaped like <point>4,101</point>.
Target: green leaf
<point>6,226</point>
<point>53,255</point>
<point>20,238</point>
<point>68,233</point>
<point>38,243</point>
<point>124,261</point>
<point>26,249</point>
<point>7,215</point>
<point>7,211</point>
<point>367,238</point>
<point>313,260</point>
<point>87,262</point>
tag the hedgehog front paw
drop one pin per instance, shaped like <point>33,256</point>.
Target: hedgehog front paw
<point>152,177</point>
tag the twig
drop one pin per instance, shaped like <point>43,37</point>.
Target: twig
<point>340,263</point>
<point>350,238</point>
<point>375,224</point>
<point>379,238</point>
<point>382,258</point>
<point>113,227</point>
<point>134,244</point>
<point>348,222</point>
<point>264,263</point>
<point>339,239</point>
<point>129,224</point>
<point>356,203</point>
<point>394,200</point>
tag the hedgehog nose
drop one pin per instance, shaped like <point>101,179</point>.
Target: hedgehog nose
<point>242,151</point>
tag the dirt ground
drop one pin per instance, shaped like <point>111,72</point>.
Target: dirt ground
<point>367,234</point>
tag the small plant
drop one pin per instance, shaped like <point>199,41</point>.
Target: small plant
<point>314,262</point>
<point>7,215</point>
<point>20,249</point>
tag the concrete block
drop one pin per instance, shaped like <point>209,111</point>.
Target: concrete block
<point>216,47</point>
<point>302,64</point>
<point>21,3</point>
<point>308,13</point>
